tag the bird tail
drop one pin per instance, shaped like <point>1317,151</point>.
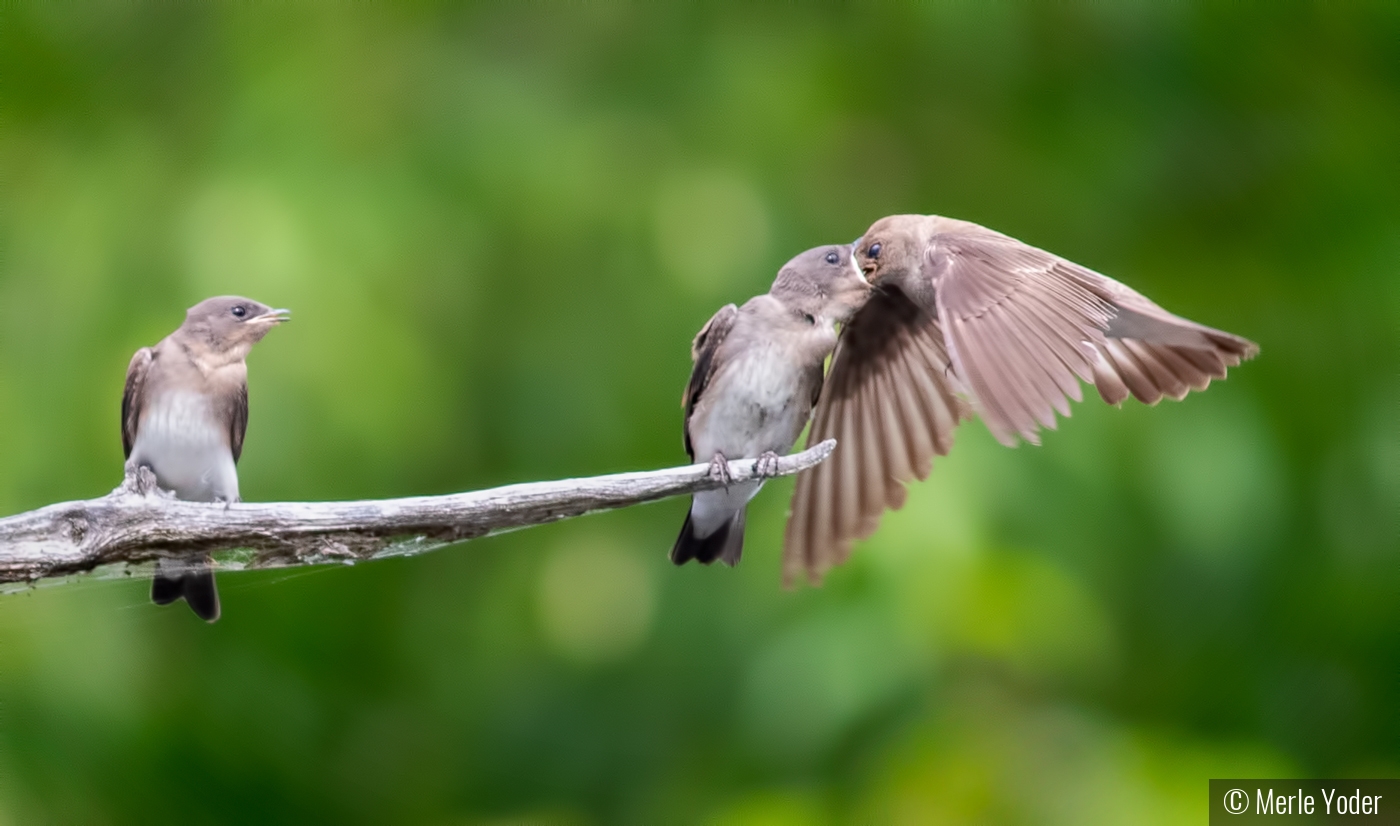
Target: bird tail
<point>188,580</point>
<point>726,544</point>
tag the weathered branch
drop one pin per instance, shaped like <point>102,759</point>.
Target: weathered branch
<point>128,526</point>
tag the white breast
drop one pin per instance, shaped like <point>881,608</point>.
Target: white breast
<point>183,443</point>
<point>758,403</point>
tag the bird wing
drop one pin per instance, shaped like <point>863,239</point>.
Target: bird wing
<point>133,398</point>
<point>890,403</point>
<point>237,420</point>
<point>703,352</point>
<point>1023,326</point>
<point>1152,353</point>
<point>1015,328</point>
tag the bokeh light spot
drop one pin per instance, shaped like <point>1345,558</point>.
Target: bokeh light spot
<point>241,238</point>
<point>596,600</point>
<point>711,229</point>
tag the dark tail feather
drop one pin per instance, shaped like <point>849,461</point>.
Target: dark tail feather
<point>734,542</point>
<point>165,590</point>
<point>192,583</point>
<point>725,544</point>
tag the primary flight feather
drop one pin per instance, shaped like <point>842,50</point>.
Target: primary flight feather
<point>966,319</point>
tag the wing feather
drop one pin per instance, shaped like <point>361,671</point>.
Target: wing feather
<point>848,478</point>
<point>1067,355</point>
<point>1039,387</point>
<point>1017,330</point>
<point>134,398</point>
<point>1168,383</point>
<point>985,360</point>
<point>1112,388</point>
<point>857,467</point>
<point>703,352</point>
<point>890,406</point>
<point>897,426</point>
<point>945,408</point>
<point>985,283</point>
<point>238,420</point>
<point>929,433</point>
<point>1208,362</point>
<point>1131,372</point>
<point>1016,316</point>
<point>1190,374</point>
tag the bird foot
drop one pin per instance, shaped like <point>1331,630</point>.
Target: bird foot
<point>766,465</point>
<point>140,480</point>
<point>719,470</point>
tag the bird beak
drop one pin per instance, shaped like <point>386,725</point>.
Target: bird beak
<point>272,317</point>
<point>855,264</point>
<point>869,266</point>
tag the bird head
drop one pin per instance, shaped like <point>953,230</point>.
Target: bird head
<point>892,247</point>
<point>822,282</point>
<point>230,324</point>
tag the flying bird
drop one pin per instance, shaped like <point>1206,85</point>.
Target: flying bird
<point>964,319</point>
<point>757,372</point>
<point>184,413</point>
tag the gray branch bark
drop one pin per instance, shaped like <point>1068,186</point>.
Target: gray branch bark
<point>135,523</point>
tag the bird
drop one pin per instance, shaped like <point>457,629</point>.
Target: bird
<point>184,415</point>
<point>757,370</point>
<point>964,320</point>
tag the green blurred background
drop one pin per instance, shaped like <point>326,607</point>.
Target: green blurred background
<point>499,228</point>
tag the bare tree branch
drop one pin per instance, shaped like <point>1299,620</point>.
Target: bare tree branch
<point>135,523</point>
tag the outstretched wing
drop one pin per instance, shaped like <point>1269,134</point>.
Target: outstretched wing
<point>1023,326</point>
<point>889,402</point>
<point>133,398</point>
<point>1152,353</point>
<point>703,352</point>
<point>1013,327</point>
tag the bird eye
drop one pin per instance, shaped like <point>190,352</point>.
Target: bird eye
<point>811,319</point>
<point>239,311</point>
<point>873,251</point>
<point>832,258</point>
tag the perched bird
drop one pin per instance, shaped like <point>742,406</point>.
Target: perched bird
<point>960,313</point>
<point>184,414</point>
<point>757,373</point>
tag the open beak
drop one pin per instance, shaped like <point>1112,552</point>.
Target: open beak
<point>272,317</point>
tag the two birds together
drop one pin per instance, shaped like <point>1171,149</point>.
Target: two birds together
<point>939,318</point>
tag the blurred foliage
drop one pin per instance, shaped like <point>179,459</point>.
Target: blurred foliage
<point>498,228</point>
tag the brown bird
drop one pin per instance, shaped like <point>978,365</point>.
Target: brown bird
<point>184,414</point>
<point>757,373</point>
<point>961,313</point>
